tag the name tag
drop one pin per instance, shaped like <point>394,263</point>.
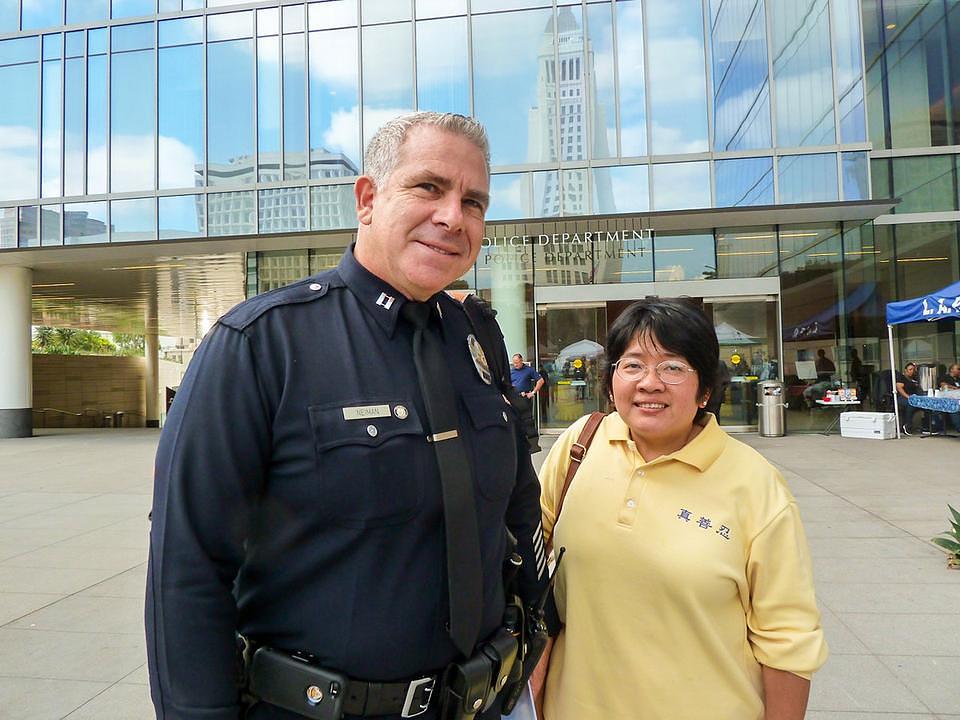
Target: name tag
<point>365,412</point>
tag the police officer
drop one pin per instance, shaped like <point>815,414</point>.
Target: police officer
<point>527,382</point>
<point>298,500</point>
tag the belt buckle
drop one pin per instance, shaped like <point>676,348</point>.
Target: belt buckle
<point>412,705</point>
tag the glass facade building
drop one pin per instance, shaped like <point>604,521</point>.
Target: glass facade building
<point>730,150</point>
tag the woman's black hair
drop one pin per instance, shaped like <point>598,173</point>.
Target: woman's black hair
<point>679,327</point>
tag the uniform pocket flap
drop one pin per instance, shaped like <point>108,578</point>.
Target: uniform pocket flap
<point>488,410</point>
<point>370,423</point>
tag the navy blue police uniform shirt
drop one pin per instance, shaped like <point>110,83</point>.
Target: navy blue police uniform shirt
<point>297,500</point>
<point>524,379</point>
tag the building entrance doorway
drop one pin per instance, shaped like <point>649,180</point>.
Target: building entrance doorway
<point>571,354</point>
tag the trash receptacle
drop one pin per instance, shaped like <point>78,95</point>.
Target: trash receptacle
<point>771,419</point>
<point>107,420</point>
<point>118,419</point>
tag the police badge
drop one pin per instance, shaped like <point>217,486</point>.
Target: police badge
<point>479,359</point>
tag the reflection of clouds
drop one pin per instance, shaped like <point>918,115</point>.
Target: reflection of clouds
<point>676,71</point>
<point>508,197</point>
<point>178,163</point>
<point>731,114</point>
<point>633,139</point>
<point>674,140</point>
<point>18,162</point>
<point>681,186</point>
<point>631,190</point>
<point>333,58</point>
<point>132,162</point>
<point>18,137</point>
<point>505,43</point>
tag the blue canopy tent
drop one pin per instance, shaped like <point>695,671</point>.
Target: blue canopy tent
<point>941,305</point>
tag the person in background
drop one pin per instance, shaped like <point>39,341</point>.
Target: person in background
<point>907,384</point>
<point>686,588</point>
<point>824,365</point>
<point>527,382</point>
<point>951,381</point>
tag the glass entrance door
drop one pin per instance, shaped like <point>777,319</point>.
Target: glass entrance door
<point>569,350</point>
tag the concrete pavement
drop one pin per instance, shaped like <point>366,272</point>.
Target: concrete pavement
<point>73,539</point>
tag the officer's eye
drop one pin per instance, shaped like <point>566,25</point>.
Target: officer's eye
<point>429,187</point>
<point>475,204</point>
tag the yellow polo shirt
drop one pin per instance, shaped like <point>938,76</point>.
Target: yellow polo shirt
<point>681,577</point>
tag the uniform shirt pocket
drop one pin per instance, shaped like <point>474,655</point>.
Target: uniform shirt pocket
<point>493,444</point>
<point>369,462</point>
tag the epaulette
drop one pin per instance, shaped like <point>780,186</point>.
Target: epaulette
<point>304,291</point>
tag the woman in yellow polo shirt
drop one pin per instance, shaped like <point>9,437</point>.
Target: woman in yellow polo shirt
<point>686,588</point>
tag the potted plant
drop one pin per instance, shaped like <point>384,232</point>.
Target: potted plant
<point>949,540</point>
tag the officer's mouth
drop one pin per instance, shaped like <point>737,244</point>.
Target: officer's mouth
<point>438,249</point>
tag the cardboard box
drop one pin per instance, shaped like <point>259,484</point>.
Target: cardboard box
<point>870,425</point>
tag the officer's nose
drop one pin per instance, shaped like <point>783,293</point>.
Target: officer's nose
<point>449,212</point>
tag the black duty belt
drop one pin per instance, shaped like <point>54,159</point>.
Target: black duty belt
<point>408,699</point>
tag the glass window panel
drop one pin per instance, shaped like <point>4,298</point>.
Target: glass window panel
<point>562,255</point>
<point>84,11</point>
<point>182,31</point>
<point>622,253</point>
<point>192,4</point>
<point>42,13</point>
<point>442,81</point>
<point>880,179</point>
<point>50,225</point>
<point>377,11</point>
<point>293,20</point>
<point>165,6</point>
<point>926,257</point>
<point>8,228</point>
<point>268,22</point>
<point>479,6</point>
<point>681,186</point>
<point>28,227</point>
<point>621,189</point>
<point>387,68</point>
<point>744,181</point>
<point>440,8</point>
<point>230,137</point>
<point>74,129</point>
<point>576,192</point>
<point>924,184</point>
<point>684,257</point>
<point>332,207</point>
<point>10,15</point>
<point>334,104</point>
<point>808,178</point>
<point>19,50</point>
<point>268,108</point>
<point>131,37</point>
<point>96,123</point>
<point>509,197</point>
<point>633,111</point>
<point>181,216</point>
<point>803,73</point>
<point>855,183</point>
<point>97,41</point>
<point>231,213</point>
<point>84,223</point>
<point>546,193</point>
<point>53,46</point>
<point>133,220</point>
<point>229,26</point>
<point>741,91</point>
<point>132,8</point>
<point>131,121</point>
<point>332,14</point>
<point>677,79</point>
<point>50,126</point>
<point>747,252</point>
<point>570,86</point>
<point>294,107</point>
<point>73,44</point>
<point>515,85</point>
<point>846,39</point>
<point>601,84</point>
<point>19,128</point>
<point>283,210</point>
<point>180,116</point>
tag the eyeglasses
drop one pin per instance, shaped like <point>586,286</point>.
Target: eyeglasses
<point>671,372</point>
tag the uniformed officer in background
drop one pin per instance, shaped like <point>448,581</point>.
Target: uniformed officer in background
<point>301,478</point>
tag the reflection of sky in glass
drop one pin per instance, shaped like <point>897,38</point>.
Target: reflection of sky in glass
<point>507,92</point>
<point>96,123</point>
<point>677,79</point>
<point>744,181</point>
<point>294,107</point>
<point>442,81</point>
<point>846,38</point>
<point>131,115</point>
<point>684,257</point>
<point>10,15</point>
<point>808,178</point>
<point>334,94</point>
<point>82,11</point>
<point>50,121</point>
<point>73,127</point>
<point>332,14</point>
<point>18,128</point>
<point>268,107</point>
<point>229,107</point>
<point>377,11</point>
<point>84,223</point>
<point>387,68</point>
<point>435,8</point>
<point>633,113</point>
<point>855,185</point>
<point>132,8</point>
<point>41,13</point>
<point>741,92</point>
<point>604,120</point>
<point>132,220</point>
<point>680,186</point>
<point>509,197</point>
<point>180,97</point>
<point>181,216</point>
<point>621,189</point>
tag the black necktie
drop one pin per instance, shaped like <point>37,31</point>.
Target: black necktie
<point>464,575</point>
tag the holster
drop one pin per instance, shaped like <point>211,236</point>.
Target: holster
<point>472,686</point>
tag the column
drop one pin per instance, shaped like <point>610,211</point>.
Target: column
<point>16,359</point>
<point>507,295</point>
<point>151,355</point>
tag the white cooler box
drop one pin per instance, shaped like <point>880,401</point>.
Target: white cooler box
<point>871,425</point>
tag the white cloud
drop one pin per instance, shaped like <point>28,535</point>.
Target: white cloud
<point>18,137</point>
<point>677,73</point>
<point>671,140</point>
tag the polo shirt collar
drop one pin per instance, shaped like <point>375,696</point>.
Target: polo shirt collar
<point>381,300</point>
<point>701,452</point>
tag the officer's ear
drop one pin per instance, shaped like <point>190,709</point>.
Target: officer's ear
<point>363,193</point>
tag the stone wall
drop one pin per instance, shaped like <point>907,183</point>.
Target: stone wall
<point>89,388</point>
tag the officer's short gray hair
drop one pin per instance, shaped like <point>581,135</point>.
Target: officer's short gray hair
<point>383,150</point>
